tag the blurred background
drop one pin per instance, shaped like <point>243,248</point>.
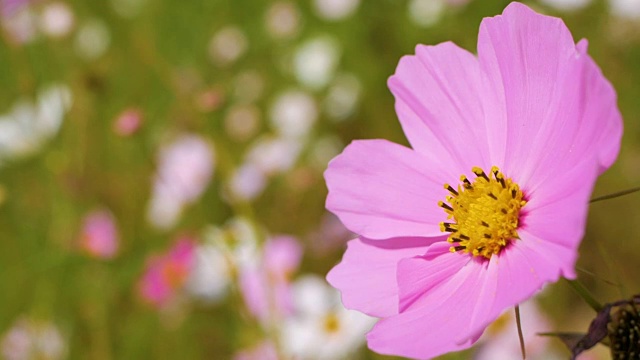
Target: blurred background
<point>161,190</point>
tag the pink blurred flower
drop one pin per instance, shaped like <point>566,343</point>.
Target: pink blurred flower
<point>439,265</point>
<point>166,274</point>
<point>99,235</point>
<point>263,351</point>
<point>9,8</point>
<point>185,167</point>
<point>266,286</point>
<point>128,122</point>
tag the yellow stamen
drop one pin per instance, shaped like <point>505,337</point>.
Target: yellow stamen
<point>485,213</point>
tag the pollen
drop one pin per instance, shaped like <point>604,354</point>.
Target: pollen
<point>483,214</point>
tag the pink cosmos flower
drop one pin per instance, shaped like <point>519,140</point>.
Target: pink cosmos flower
<point>266,288</point>
<point>167,273</point>
<point>185,168</point>
<point>263,351</point>
<point>491,201</point>
<point>99,236</point>
<point>128,122</point>
<point>8,8</point>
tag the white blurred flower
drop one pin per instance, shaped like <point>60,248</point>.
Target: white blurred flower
<point>425,13</point>
<point>315,62</point>
<point>247,182</point>
<point>56,20</point>
<point>241,122</point>
<point>28,126</point>
<point>210,275</point>
<point>566,5</point>
<point>293,114</point>
<point>625,8</point>
<point>457,2</point>
<point>227,45</point>
<point>335,9</point>
<point>21,25</point>
<point>29,339</point>
<point>500,340</point>
<point>184,170</point>
<point>128,8</point>
<point>321,328</point>
<point>274,155</point>
<point>343,97</point>
<point>282,19</point>
<point>245,251</point>
<point>93,39</point>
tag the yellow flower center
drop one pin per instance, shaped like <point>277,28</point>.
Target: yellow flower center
<point>331,323</point>
<point>485,212</point>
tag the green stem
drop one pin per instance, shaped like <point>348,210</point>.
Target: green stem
<point>520,336</point>
<point>615,195</point>
<point>585,295</point>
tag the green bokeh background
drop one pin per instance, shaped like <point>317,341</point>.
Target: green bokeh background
<point>86,165</point>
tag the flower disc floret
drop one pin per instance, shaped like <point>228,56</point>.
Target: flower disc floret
<point>486,213</point>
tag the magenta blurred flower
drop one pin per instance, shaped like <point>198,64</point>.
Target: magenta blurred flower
<point>99,235</point>
<point>167,274</point>
<point>266,286</point>
<point>535,121</point>
<point>128,122</point>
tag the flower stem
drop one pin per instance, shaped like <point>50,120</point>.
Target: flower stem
<point>520,336</point>
<point>585,295</point>
<point>615,195</point>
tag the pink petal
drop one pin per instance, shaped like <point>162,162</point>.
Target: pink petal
<point>366,277</point>
<point>601,109</point>
<point>431,325</point>
<point>516,274</point>
<point>381,190</point>
<point>153,287</point>
<point>544,95</point>
<point>438,101</point>
<point>419,275</point>
<point>282,255</point>
<point>254,292</point>
<point>557,210</point>
<point>99,235</point>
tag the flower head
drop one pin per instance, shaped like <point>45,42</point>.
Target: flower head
<point>491,201</point>
<point>99,236</point>
<point>319,327</point>
<point>33,339</point>
<point>265,285</point>
<point>185,168</point>
<point>168,273</point>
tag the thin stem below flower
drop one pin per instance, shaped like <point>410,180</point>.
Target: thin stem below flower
<point>520,336</point>
<point>585,295</point>
<point>615,195</point>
